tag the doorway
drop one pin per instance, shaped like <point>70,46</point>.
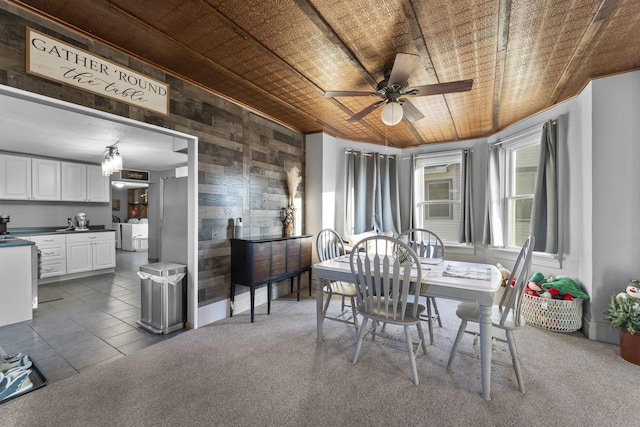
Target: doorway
<point>74,132</point>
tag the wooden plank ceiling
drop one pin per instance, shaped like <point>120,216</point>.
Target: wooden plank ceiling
<point>278,57</point>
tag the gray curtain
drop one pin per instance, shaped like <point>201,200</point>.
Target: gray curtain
<point>412,195</point>
<point>465,234</point>
<point>373,201</point>
<point>544,214</point>
<point>493,204</point>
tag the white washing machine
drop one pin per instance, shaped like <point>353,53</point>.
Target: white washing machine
<point>135,237</point>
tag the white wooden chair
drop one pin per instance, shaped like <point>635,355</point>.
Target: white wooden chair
<point>426,244</point>
<point>506,315</point>
<point>329,245</point>
<point>386,293</point>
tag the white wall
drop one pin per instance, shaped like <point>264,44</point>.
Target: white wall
<point>324,177</point>
<point>313,186</point>
<point>616,194</point>
<point>53,214</point>
<point>598,176</point>
<point>122,195</point>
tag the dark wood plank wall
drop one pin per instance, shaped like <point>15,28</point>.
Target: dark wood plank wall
<point>242,157</point>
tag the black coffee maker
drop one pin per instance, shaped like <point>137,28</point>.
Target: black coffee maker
<point>4,219</point>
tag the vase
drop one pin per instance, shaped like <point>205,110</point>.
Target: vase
<point>630,347</point>
<point>288,229</point>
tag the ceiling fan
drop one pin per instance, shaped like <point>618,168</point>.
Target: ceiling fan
<point>395,86</point>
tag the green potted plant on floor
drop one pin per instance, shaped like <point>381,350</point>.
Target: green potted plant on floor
<point>624,313</point>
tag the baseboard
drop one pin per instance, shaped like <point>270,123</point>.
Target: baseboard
<point>219,310</point>
<point>212,312</point>
<point>600,331</point>
<point>75,276</point>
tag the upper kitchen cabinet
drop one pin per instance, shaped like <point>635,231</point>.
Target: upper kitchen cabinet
<point>74,182</point>
<point>25,178</point>
<point>84,183</point>
<point>98,186</point>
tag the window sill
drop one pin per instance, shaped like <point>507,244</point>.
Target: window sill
<point>459,249</point>
<point>539,259</point>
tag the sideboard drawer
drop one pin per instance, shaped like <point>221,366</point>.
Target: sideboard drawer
<point>261,261</point>
<point>278,258</point>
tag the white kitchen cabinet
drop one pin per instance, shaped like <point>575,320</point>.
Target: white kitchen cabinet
<point>15,177</point>
<point>16,286</point>
<point>90,251</point>
<point>45,179</point>
<point>98,186</point>
<point>26,178</point>
<point>53,254</point>
<point>74,182</point>
<point>84,183</point>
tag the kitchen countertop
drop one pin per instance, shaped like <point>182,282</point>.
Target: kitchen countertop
<point>38,231</point>
<point>8,241</point>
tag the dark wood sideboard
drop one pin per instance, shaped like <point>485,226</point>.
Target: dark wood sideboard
<point>261,261</point>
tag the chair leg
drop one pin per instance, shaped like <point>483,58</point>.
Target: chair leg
<point>430,320</point>
<point>412,355</point>
<point>456,343</point>
<point>326,305</point>
<point>355,314</point>
<point>421,335</point>
<point>361,333</point>
<point>343,297</point>
<point>515,359</point>
<point>435,309</point>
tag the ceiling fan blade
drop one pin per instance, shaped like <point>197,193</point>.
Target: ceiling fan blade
<point>411,112</point>
<point>440,88</point>
<point>368,110</point>
<point>403,66</point>
<point>335,93</point>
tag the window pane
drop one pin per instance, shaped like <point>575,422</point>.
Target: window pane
<point>439,210</point>
<point>526,165</point>
<point>439,190</point>
<point>446,226</point>
<point>438,198</point>
<point>519,220</point>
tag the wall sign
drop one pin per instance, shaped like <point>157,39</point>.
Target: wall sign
<point>54,60</point>
<point>134,175</point>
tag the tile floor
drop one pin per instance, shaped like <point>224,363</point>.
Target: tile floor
<point>93,323</point>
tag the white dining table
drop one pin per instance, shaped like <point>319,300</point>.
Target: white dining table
<point>434,283</point>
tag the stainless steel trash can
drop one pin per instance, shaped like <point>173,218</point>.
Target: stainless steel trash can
<point>163,288</point>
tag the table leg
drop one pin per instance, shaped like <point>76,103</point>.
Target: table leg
<point>486,339</point>
<point>253,300</point>
<point>319,302</point>
<point>233,298</point>
<point>299,286</point>
<point>269,286</point>
<point>309,272</point>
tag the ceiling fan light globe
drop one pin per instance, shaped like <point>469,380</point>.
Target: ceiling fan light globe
<point>391,114</point>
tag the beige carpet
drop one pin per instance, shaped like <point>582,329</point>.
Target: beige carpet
<point>273,373</point>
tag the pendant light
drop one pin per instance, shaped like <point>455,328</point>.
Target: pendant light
<point>112,161</point>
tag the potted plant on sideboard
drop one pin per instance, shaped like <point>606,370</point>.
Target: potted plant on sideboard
<point>624,313</point>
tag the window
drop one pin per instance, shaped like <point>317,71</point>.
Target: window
<point>437,194</point>
<point>521,167</point>
<point>436,191</point>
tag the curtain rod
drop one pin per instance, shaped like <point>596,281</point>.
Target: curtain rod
<point>439,153</point>
<point>523,133</point>
<point>367,154</point>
